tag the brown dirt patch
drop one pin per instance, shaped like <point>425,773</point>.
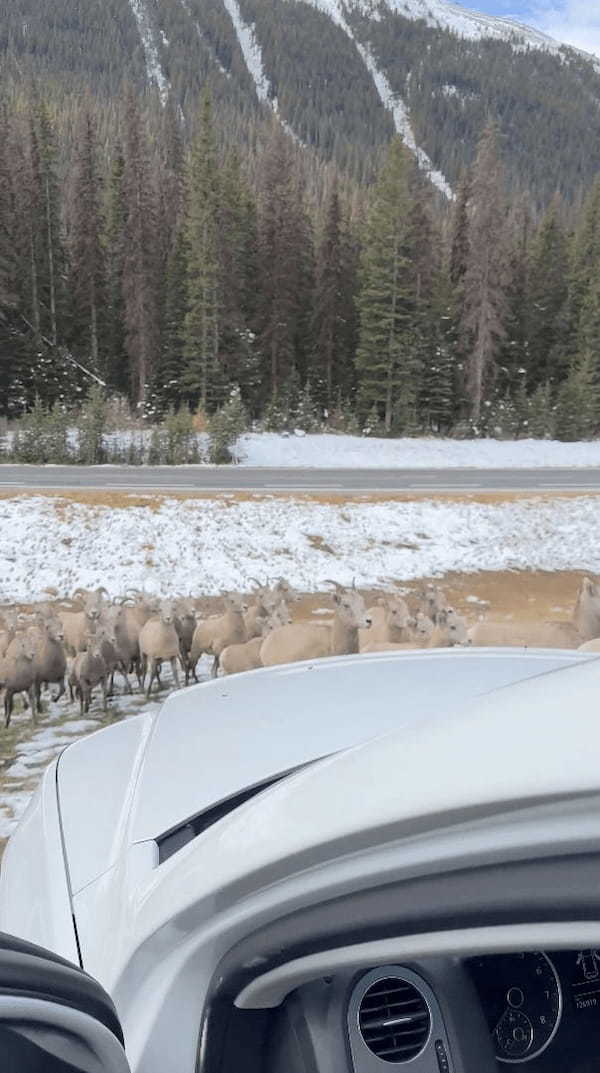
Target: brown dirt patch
<point>152,500</point>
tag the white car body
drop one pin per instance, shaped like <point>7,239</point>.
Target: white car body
<point>396,765</point>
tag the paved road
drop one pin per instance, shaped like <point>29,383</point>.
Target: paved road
<point>208,478</point>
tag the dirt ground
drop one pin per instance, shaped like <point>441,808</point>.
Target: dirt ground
<point>519,595</point>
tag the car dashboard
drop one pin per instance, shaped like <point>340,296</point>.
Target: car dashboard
<point>536,1011</point>
<point>542,1010</point>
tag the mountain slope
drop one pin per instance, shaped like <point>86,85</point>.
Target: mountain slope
<point>340,76</point>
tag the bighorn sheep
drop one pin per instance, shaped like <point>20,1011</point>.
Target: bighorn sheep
<point>50,662</point>
<point>583,626</point>
<point>159,642</point>
<point>590,646</point>
<point>265,600</point>
<point>77,625</point>
<point>391,622</point>
<point>214,634</point>
<point>433,602</point>
<point>246,657</point>
<point>89,670</point>
<point>17,675</point>
<point>310,640</point>
<point>185,624</point>
<point>450,630</point>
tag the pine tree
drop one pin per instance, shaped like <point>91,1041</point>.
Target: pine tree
<point>284,269</point>
<point>459,237</point>
<point>513,354</point>
<point>53,273</point>
<point>332,370</point>
<point>237,280</point>
<point>14,354</point>
<point>202,379</point>
<point>585,265</point>
<point>485,305</point>
<point>387,295</point>
<point>140,264</point>
<point>548,294</point>
<point>116,366</point>
<point>87,254</point>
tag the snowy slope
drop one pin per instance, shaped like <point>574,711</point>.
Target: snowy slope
<point>154,69</point>
<point>204,545</point>
<point>369,452</point>
<point>460,20</point>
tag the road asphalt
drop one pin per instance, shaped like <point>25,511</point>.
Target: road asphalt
<point>247,479</point>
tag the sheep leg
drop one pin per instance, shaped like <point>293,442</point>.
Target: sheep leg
<point>175,670</point>
<point>8,707</point>
<point>123,672</point>
<point>103,685</point>
<point>61,690</point>
<point>215,667</point>
<point>151,680</point>
<point>34,703</point>
<point>82,708</point>
<point>142,671</point>
<point>158,670</point>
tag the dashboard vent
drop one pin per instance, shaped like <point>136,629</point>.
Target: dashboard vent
<point>394,1020</point>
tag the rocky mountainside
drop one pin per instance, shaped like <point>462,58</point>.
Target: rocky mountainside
<point>340,76</point>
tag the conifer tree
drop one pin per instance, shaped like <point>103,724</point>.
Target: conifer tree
<point>202,378</point>
<point>485,304</point>
<point>140,263</point>
<point>116,365</point>
<point>87,254</point>
<point>49,221</point>
<point>548,294</point>
<point>284,269</point>
<point>387,295</point>
<point>332,371</point>
<point>237,279</point>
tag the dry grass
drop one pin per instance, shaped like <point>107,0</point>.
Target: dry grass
<point>106,497</point>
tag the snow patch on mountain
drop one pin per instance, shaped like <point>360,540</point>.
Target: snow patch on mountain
<point>202,38</point>
<point>389,99</point>
<point>470,24</point>
<point>154,69</point>
<point>396,105</point>
<point>251,52</point>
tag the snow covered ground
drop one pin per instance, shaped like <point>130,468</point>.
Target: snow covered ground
<point>326,450</point>
<point>200,546</point>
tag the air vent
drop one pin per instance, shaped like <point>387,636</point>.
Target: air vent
<point>394,1020</point>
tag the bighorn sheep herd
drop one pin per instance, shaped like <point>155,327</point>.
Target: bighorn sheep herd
<point>85,640</point>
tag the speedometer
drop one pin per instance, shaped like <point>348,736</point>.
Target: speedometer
<point>522,1000</point>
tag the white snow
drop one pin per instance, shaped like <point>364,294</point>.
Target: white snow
<point>389,99</point>
<point>203,545</point>
<point>154,69</point>
<point>330,451</point>
<point>394,103</point>
<point>186,7</point>
<point>251,51</point>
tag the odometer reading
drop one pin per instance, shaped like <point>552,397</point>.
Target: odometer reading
<point>522,999</point>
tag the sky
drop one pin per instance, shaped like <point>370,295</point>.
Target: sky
<point>576,22</point>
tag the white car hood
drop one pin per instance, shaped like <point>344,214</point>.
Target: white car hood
<point>147,776</point>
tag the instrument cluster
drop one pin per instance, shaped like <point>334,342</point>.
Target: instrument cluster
<point>543,1010</point>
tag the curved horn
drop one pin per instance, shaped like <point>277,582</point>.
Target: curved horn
<point>330,581</point>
